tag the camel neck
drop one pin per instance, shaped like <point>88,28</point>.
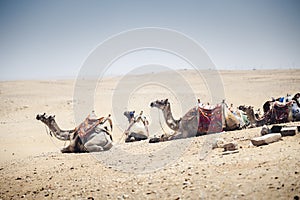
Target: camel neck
<point>171,122</point>
<point>59,133</point>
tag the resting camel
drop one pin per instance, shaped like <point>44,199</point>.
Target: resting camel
<point>138,127</point>
<point>197,121</point>
<point>288,104</point>
<point>277,113</point>
<point>90,136</point>
<point>254,119</point>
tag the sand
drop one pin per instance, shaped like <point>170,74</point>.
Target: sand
<point>32,167</point>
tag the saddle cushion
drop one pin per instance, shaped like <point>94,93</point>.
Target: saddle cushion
<point>280,112</point>
<point>210,120</point>
<point>87,126</point>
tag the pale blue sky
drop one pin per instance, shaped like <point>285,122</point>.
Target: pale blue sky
<point>51,39</point>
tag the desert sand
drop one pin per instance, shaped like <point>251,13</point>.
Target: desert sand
<point>32,167</point>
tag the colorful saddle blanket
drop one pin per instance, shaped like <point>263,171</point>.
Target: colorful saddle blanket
<point>87,126</point>
<point>279,113</point>
<point>210,120</point>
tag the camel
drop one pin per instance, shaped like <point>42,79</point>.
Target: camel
<point>90,136</point>
<point>293,104</point>
<point>240,114</point>
<point>254,119</point>
<point>197,121</point>
<point>138,127</point>
<point>277,113</point>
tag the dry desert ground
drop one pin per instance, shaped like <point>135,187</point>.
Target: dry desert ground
<point>32,167</point>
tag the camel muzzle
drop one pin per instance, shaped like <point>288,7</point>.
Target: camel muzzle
<point>38,117</point>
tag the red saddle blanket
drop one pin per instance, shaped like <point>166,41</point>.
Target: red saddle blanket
<point>210,120</point>
<point>87,126</point>
<point>279,113</point>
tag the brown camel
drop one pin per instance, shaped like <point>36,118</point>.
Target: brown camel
<point>197,121</point>
<point>276,113</point>
<point>89,136</point>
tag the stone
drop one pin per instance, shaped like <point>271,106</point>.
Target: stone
<point>265,130</point>
<point>218,143</point>
<point>289,131</point>
<point>276,128</point>
<point>230,152</point>
<point>266,139</point>
<point>232,146</point>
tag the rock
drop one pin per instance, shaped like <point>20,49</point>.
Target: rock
<point>289,131</point>
<point>276,129</point>
<point>186,183</point>
<point>218,143</point>
<point>232,146</point>
<point>230,152</point>
<point>266,139</point>
<point>265,130</point>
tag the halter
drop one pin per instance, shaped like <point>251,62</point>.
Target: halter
<point>49,132</point>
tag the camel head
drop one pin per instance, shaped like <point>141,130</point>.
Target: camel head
<point>161,104</point>
<point>242,108</point>
<point>129,114</point>
<point>45,119</point>
<point>249,110</point>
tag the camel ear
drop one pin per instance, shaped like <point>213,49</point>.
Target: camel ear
<point>166,101</point>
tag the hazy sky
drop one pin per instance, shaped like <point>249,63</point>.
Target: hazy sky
<point>48,39</point>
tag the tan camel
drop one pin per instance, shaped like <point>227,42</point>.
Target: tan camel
<point>197,121</point>
<point>138,127</point>
<point>90,136</point>
<point>254,119</point>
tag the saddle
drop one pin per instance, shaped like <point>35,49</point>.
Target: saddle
<point>279,113</point>
<point>210,120</point>
<point>87,126</point>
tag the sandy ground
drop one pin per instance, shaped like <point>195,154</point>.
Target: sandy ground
<point>32,167</point>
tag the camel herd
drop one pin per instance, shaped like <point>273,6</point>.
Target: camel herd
<point>95,134</point>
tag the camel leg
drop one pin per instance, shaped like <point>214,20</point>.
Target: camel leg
<point>93,148</point>
<point>67,149</point>
<point>75,146</point>
<point>135,137</point>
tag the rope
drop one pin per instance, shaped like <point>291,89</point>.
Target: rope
<point>165,133</point>
<point>50,133</point>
